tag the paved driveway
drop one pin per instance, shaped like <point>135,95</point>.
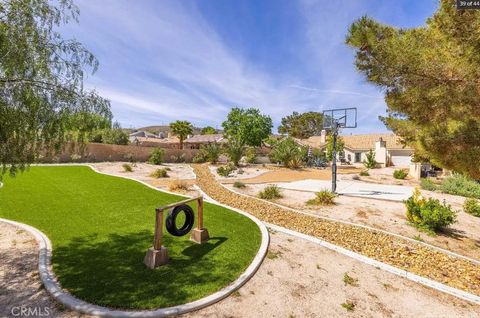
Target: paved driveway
<point>353,188</point>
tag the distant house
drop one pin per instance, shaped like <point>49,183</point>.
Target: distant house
<point>389,151</point>
<point>195,141</point>
<point>134,137</point>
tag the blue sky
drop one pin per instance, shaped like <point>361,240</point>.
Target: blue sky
<point>164,60</point>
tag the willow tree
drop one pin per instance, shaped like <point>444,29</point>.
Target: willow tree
<point>431,79</point>
<point>41,81</point>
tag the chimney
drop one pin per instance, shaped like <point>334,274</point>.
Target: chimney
<point>323,136</point>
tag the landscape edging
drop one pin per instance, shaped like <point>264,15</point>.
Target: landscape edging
<point>52,286</point>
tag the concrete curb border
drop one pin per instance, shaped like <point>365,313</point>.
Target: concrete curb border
<point>439,249</point>
<point>391,269</point>
<point>53,287</point>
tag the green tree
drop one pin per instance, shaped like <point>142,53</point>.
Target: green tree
<point>248,127</point>
<point>339,148</point>
<point>287,151</point>
<point>370,163</point>
<point>235,151</point>
<point>115,135</point>
<point>41,81</point>
<point>209,130</point>
<point>302,125</point>
<point>430,76</point>
<point>181,129</point>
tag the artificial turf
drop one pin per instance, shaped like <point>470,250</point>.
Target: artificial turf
<point>101,226</point>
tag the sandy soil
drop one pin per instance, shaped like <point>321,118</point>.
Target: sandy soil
<point>287,175</point>
<point>142,171</point>
<point>382,176</point>
<point>463,237</point>
<point>297,279</point>
<point>246,172</point>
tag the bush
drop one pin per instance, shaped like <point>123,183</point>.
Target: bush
<point>199,158</point>
<point>400,174</point>
<point>427,184</point>
<point>429,215</point>
<point>296,163</point>
<point>176,185</point>
<point>225,171</point>
<point>471,206</point>
<point>211,152</point>
<point>156,157</point>
<point>355,177</point>
<point>178,159</point>
<point>270,192</point>
<point>364,173</point>
<point>370,163</point>
<point>250,155</point>
<point>235,151</point>
<point>324,197</point>
<point>127,167</point>
<point>287,152</point>
<point>239,185</point>
<point>461,185</point>
<point>159,173</point>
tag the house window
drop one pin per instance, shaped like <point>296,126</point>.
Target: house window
<point>358,156</point>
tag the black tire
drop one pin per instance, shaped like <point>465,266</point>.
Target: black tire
<point>171,224</point>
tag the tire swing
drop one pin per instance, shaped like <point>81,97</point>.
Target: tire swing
<point>171,222</point>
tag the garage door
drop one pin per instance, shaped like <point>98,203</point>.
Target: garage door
<point>401,161</point>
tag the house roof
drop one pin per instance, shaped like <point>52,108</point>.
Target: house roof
<point>359,142</point>
<point>201,139</point>
<point>142,133</point>
<point>168,140</point>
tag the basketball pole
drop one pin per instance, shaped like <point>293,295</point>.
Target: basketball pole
<point>334,156</point>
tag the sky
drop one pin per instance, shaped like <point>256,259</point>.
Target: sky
<point>194,60</point>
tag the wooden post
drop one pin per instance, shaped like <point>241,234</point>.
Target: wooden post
<point>200,213</point>
<point>158,237</point>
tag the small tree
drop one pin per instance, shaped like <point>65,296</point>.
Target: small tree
<point>209,130</point>
<point>181,129</point>
<point>156,157</point>
<point>287,152</point>
<point>339,147</point>
<point>370,163</point>
<point>235,151</point>
<point>115,135</point>
<point>210,152</point>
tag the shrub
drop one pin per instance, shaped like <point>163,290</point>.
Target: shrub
<point>370,163</point>
<point>430,215</point>
<point>199,158</point>
<point>176,185</point>
<point>428,184</point>
<point>472,207</point>
<point>225,171</point>
<point>355,177</point>
<point>159,173</point>
<point>364,173</point>
<point>270,192</point>
<point>295,163</point>
<point>287,152</point>
<point>211,152</point>
<point>324,197</point>
<point>250,155</point>
<point>461,185</point>
<point>239,185</point>
<point>127,167</point>
<point>156,157</point>
<point>400,174</point>
<point>235,151</point>
<point>178,159</point>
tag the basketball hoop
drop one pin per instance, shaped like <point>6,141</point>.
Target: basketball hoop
<point>333,120</point>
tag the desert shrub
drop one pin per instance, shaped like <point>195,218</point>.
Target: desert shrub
<point>324,197</point>
<point>159,173</point>
<point>225,171</point>
<point>176,185</point>
<point>370,163</point>
<point>287,152</point>
<point>199,158</point>
<point>296,163</point>
<point>428,184</point>
<point>130,157</point>
<point>355,177</point>
<point>429,214</point>
<point>235,151</point>
<point>178,159</point>
<point>239,185</point>
<point>400,174</point>
<point>270,192</point>
<point>156,157</point>
<point>364,173</point>
<point>461,185</point>
<point>127,167</point>
<point>211,152</point>
<point>472,207</point>
<point>250,155</point>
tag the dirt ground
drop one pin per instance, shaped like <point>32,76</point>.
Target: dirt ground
<point>462,238</point>
<point>281,174</point>
<point>142,171</point>
<point>296,279</point>
<point>382,176</point>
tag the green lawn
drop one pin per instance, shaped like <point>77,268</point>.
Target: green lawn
<point>101,226</point>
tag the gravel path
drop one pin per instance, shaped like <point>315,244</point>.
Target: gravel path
<point>417,259</point>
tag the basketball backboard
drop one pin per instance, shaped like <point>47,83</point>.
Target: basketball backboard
<point>340,118</point>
